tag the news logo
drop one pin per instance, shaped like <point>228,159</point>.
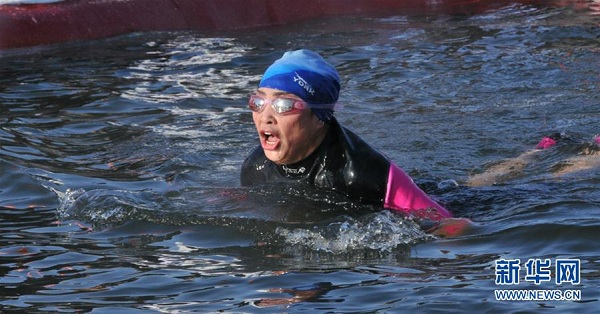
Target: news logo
<point>537,271</point>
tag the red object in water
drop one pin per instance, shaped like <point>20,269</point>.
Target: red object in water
<point>453,227</point>
<point>546,143</point>
<point>23,25</point>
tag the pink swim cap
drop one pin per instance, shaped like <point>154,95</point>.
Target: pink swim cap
<point>597,139</point>
<point>545,143</point>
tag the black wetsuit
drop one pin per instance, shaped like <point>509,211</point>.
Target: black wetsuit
<point>343,163</point>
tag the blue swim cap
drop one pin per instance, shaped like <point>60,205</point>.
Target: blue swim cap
<point>307,75</point>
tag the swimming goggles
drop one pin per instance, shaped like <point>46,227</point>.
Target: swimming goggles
<point>281,105</point>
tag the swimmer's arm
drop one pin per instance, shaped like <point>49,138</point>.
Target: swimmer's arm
<point>404,195</point>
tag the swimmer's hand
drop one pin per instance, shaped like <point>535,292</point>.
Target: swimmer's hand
<point>451,227</point>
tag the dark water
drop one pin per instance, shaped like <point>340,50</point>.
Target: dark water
<point>119,163</point>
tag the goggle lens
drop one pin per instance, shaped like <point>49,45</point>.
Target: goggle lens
<point>281,105</point>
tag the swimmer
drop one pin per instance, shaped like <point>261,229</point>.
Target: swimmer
<point>587,159</point>
<point>301,141</point>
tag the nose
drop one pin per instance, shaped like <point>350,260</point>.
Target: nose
<point>267,115</point>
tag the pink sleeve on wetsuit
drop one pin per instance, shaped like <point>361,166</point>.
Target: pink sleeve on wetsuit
<point>404,195</point>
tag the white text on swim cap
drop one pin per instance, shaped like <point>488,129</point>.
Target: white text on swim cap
<point>302,82</point>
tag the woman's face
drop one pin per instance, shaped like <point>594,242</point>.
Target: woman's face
<point>287,138</point>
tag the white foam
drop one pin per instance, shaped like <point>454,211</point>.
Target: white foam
<point>382,231</point>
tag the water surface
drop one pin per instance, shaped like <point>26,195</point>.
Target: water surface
<point>119,163</point>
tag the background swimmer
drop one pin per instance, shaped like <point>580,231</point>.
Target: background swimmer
<point>587,158</point>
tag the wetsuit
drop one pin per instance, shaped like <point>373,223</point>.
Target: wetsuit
<point>346,164</point>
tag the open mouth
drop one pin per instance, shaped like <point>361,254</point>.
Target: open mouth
<point>269,140</point>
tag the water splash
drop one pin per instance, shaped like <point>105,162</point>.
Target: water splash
<point>106,207</point>
<point>381,231</point>
<point>67,200</point>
